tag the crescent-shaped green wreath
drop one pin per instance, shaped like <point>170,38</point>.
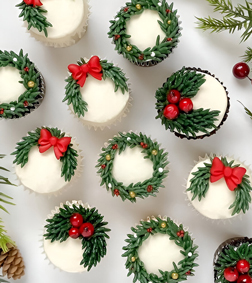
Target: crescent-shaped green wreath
<point>176,233</point>
<point>168,24</point>
<point>32,81</point>
<point>151,151</point>
<point>95,246</point>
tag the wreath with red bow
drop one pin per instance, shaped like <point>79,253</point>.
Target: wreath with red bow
<point>235,178</point>
<point>99,69</point>
<point>34,15</point>
<point>46,138</point>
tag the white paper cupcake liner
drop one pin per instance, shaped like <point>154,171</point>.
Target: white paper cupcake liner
<point>220,221</point>
<point>69,184</point>
<point>64,42</point>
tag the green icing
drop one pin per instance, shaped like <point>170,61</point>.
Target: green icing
<point>29,99</point>
<point>34,17</point>
<point>72,90</point>
<point>141,233</point>
<point>69,159</point>
<point>187,81</point>
<point>168,24</point>
<point>94,247</point>
<point>140,189</point>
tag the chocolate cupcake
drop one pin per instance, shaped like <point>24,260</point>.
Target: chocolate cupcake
<point>145,32</point>
<point>192,103</point>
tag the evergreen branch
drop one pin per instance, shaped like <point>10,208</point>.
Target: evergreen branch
<point>247,110</point>
<point>248,55</point>
<point>4,239</point>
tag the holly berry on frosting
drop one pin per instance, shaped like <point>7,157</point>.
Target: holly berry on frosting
<point>243,266</point>
<point>173,96</point>
<point>186,105</point>
<point>244,278</point>
<point>241,70</point>
<point>86,230</point>
<point>231,274</point>
<point>171,111</point>
<point>74,233</point>
<point>76,220</point>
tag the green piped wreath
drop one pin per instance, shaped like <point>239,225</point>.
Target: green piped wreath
<point>94,247</point>
<point>199,186</point>
<point>187,81</point>
<point>168,24</point>
<point>177,234</point>
<point>34,17</point>
<point>32,81</point>
<point>73,94</point>
<point>68,160</point>
<point>151,151</point>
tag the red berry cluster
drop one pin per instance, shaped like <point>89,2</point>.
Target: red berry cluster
<point>126,9</point>
<point>176,104</point>
<point>1,111</point>
<point>116,192</point>
<point>115,146</point>
<point>149,188</point>
<point>143,145</point>
<point>80,228</point>
<point>26,69</point>
<point>103,166</point>
<point>188,272</point>
<point>149,230</point>
<point>180,233</point>
<point>117,36</point>
<point>239,272</point>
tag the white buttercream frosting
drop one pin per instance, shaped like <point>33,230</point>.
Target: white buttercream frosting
<point>10,87</point>
<point>130,166</point>
<point>144,29</point>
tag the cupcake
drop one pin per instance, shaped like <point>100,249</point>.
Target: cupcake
<point>46,160</point>
<point>75,237</point>
<point>22,86</point>
<point>57,23</point>
<point>159,250</point>
<point>145,32</point>
<point>219,187</point>
<point>192,103</point>
<point>232,261</point>
<point>132,166</point>
<point>97,92</point>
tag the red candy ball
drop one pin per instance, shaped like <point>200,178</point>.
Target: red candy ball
<point>171,111</point>
<point>245,278</point>
<point>186,105</point>
<point>243,266</point>
<point>87,230</point>
<point>76,220</point>
<point>231,274</point>
<point>173,96</point>
<point>241,70</point>
<point>74,233</point>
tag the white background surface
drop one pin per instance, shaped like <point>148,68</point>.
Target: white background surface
<point>215,52</point>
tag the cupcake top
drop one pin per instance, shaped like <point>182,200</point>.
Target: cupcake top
<point>46,160</point>
<point>22,86</point>
<point>219,187</point>
<point>56,22</point>
<point>192,103</point>
<point>232,261</point>
<point>97,92</point>
<point>75,237</point>
<point>132,166</point>
<point>159,250</point>
<point>145,32</point>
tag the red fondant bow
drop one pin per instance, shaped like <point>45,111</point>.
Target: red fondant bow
<point>232,176</point>
<point>79,73</point>
<point>33,2</point>
<point>46,140</point>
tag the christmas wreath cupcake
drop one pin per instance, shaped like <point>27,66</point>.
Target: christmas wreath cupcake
<point>160,251</point>
<point>233,261</point>
<point>192,103</point>
<point>21,84</point>
<point>75,237</point>
<point>46,160</point>
<point>145,32</point>
<point>97,92</point>
<point>57,23</point>
<point>132,166</point>
<point>219,187</point>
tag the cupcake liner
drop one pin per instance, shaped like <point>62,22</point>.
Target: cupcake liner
<point>59,43</point>
<point>221,220</point>
<point>224,118</point>
<point>67,185</point>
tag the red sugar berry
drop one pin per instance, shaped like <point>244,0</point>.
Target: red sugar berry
<point>149,188</point>
<point>87,230</point>
<point>173,96</point>
<point>231,274</point>
<point>241,70</point>
<point>1,111</point>
<point>117,36</point>
<point>116,192</point>
<point>115,146</point>
<point>74,233</point>
<point>103,166</point>
<point>126,9</point>
<point>244,278</point>
<point>243,266</point>
<point>26,69</point>
<point>186,105</point>
<point>171,111</point>
<point>76,220</point>
<point>141,57</point>
<point>149,230</point>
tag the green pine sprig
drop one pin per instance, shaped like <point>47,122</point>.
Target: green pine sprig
<point>247,110</point>
<point>247,57</point>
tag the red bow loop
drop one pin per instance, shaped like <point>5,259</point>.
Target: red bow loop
<point>46,141</point>
<point>33,2</point>
<point>93,67</point>
<point>232,176</point>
